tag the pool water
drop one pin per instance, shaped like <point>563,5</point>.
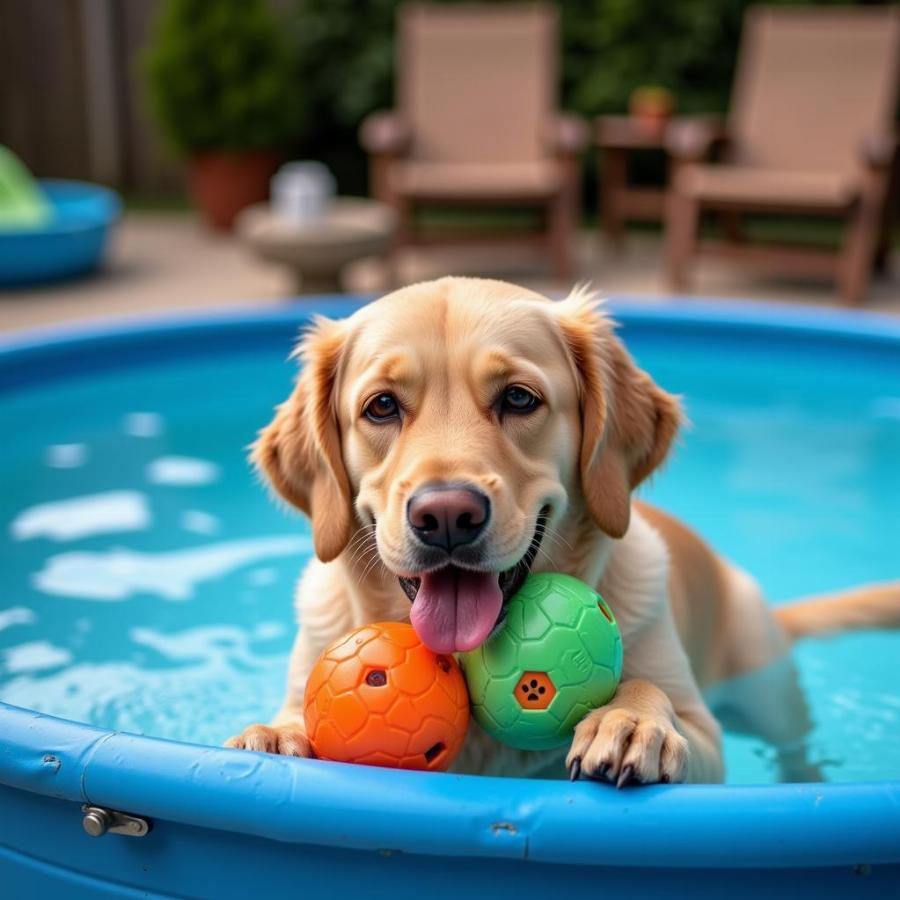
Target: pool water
<point>148,578</point>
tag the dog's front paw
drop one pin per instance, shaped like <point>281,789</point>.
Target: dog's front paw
<point>616,745</point>
<point>286,740</point>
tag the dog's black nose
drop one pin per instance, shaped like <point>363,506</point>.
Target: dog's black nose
<point>449,516</point>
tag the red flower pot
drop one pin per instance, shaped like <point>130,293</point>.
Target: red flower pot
<point>225,182</point>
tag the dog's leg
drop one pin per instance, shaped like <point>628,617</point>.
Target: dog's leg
<point>657,727</point>
<point>769,703</point>
<point>760,695</point>
<point>791,739</point>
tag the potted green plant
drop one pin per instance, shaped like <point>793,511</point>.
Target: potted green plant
<point>219,78</point>
<point>651,106</point>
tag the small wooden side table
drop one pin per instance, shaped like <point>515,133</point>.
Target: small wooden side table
<point>620,202</point>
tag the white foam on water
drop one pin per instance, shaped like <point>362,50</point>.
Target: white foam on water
<point>199,522</point>
<point>66,456</point>
<point>181,471</point>
<point>265,631</point>
<point>212,643</point>
<point>119,574</point>
<point>201,701</point>
<point>16,615</point>
<point>143,424</point>
<point>110,512</point>
<point>35,656</point>
<point>262,577</point>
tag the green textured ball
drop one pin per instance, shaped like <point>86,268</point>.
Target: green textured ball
<point>557,655</point>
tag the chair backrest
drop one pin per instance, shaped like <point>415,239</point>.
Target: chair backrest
<point>477,82</point>
<point>812,82</point>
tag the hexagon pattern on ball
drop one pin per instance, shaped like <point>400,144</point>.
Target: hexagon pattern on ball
<point>559,634</point>
<point>378,696</point>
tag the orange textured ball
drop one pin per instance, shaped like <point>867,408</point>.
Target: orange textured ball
<point>379,696</point>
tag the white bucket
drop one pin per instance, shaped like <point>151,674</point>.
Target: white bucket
<point>302,191</point>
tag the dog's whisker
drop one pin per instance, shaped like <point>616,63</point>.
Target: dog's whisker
<point>359,555</point>
<point>549,555</point>
<point>374,562</point>
<point>360,541</point>
<point>555,540</point>
<point>557,545</point>
<point>367,554</point>
<point>554,535</point>
<point>361,544</point>
<point>362,550</point>
<point>360,536</point>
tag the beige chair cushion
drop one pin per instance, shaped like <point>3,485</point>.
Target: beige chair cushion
<point>476,180</point>
<point>769,187</point>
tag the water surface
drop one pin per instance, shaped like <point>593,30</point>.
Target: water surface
<point>147,577</point>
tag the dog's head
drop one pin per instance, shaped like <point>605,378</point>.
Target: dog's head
<point>457,421</point>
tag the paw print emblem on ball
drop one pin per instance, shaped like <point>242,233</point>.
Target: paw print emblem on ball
<point>535,690</point>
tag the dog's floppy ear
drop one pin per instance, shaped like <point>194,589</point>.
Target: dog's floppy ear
<point>627,422</point>
<point>299,451</point>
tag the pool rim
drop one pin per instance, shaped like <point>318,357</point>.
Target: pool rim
<point>304,801</point>
<point>766,317</point>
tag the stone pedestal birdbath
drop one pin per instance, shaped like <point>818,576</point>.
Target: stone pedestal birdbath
<point>317,250</point>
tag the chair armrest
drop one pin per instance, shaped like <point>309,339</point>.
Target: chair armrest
<point>384,133</point>
<point>567,134</point>
<point>693,140</point>
<point>878,150</point>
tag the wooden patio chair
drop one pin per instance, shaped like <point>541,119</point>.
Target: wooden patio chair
<point>476,121</point>
<point>811,131</point>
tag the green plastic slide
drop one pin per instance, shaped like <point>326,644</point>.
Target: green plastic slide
<point>22,202</point>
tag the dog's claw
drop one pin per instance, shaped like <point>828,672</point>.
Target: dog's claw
<point>575,769</point>
<point>625,776</point>
<point>664,778</point>
<point>602,770</point>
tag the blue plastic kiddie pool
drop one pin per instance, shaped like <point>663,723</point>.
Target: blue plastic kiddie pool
<point>71,243</point>
<point>145,615</point>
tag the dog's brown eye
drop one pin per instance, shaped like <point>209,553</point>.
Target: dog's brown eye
<point>519,400</point>
<point>382,408</point>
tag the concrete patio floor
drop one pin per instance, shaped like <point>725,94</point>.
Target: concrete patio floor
<point>167,262</point>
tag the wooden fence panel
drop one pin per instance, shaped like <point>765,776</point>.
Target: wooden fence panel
<point>71,100</point>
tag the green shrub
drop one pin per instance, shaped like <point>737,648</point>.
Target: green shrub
<point>224,73</point>
<point>615,46</point>
<point>220,74</point>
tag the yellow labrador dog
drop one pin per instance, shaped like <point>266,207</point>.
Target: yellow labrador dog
<point>453,435</point>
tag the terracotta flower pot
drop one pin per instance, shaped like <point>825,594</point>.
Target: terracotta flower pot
<point>223,183</point>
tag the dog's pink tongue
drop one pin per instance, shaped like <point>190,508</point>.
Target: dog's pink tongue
<point>455,609</point>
